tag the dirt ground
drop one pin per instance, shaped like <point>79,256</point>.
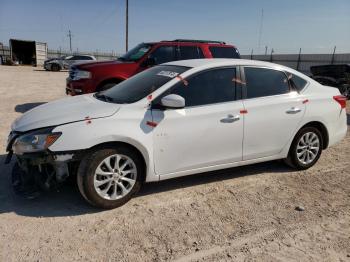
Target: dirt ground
<point>240,214</point>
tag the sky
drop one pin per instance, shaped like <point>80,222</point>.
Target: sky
<point>315,26</point>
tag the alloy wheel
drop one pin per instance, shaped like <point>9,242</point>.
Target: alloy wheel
<point>115,177</point>
<point>308,148</point>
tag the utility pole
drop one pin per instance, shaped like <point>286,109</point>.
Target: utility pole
<point>299,57</point>
<point>70,40</point>
<point>335,47</point>
<point>260,29</point>
<point>272,51</point>
<point>126,25</point>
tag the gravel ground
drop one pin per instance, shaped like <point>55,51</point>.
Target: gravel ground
<point>245,213</point>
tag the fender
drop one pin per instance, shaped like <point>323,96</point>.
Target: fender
<point>150,176</point>
<point>92,134</point>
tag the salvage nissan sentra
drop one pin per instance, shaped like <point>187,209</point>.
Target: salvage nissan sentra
<point>173,120</point>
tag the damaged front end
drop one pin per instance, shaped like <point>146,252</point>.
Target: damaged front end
<point>37,168</point>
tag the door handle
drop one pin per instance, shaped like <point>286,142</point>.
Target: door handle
<point>230,118</point>
<point>293,110</point>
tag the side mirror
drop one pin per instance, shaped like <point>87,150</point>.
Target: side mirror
<point>150,61</point>
<point>173,101</point>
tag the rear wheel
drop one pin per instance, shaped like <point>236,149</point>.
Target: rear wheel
<point>55,67</point>
<point>306,148</point>
<point>109,177</point>
<point>345,90</point>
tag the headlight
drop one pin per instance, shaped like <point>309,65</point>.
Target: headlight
<point>80,74</point>
<point>35,141</point>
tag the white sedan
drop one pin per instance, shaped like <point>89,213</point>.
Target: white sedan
<point>177,119</point>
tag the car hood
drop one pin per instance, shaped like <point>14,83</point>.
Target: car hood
<point>63,111</point>
<point>94,64</point>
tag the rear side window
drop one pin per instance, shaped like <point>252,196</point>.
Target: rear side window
<point>265,82</point>
<point>85,58</point>
<point>77,57</point>
<point>224,52</point>
<point>190,52</point>
<point>297,82</point>
<point>163,54</point>
<point>209,87</point>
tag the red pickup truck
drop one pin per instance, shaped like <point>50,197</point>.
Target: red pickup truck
<point>97,76</point>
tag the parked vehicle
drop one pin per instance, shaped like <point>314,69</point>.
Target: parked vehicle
<point>177,119</point>
<point>333,75</point>
<point>92,77</point>
<point>64,62</point>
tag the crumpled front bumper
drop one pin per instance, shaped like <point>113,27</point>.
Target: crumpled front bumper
<point>47,167</point>
<point>45,171</point>
<point>58,161</point>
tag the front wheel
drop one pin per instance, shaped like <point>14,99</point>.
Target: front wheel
<point>306,148</point>
<point>109,177</point>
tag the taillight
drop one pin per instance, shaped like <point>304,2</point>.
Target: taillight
<point>341,100</point>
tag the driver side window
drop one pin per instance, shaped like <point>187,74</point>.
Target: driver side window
<point>209,87</point>
<point>163,54</point>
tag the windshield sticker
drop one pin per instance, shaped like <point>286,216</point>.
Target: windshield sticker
<point>168,74</point>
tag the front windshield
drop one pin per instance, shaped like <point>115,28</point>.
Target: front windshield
<point>136,53</point>
<point>141,85</point>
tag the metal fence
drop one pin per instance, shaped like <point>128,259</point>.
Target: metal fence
<point>302,62</point>
<point>99,55</point>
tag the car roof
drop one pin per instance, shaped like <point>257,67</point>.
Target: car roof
<point>212,62</point>
<point>191,42</point>
<point>208,63</point>
<point>78,55</point>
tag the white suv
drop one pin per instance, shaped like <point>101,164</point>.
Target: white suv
<point>177,119</point>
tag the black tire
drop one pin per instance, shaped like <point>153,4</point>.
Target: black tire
<point>86,175</point>
<point>55,67</point>
<point>107,86</point>
<point>293,160</point>
<point>345,90</point>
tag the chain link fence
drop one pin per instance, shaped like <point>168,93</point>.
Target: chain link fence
<point>302,62</point>
<point>100,56</point>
